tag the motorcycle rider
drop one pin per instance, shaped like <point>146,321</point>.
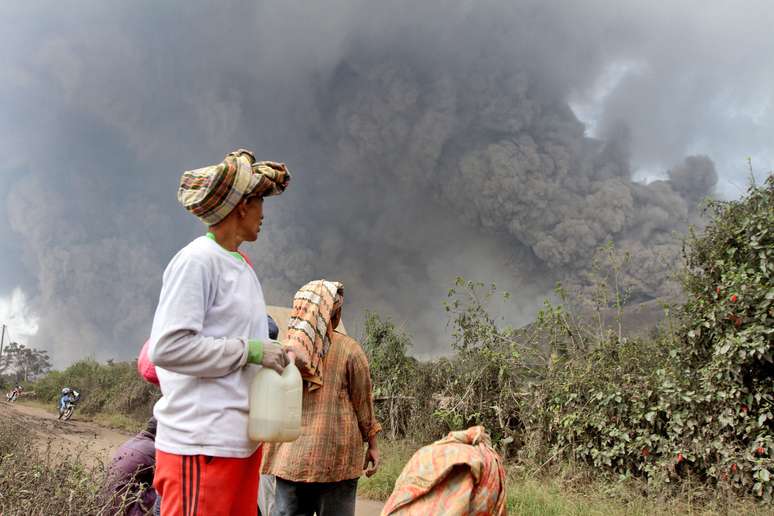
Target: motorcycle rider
<point>15,392</point>
<point>68,396</point>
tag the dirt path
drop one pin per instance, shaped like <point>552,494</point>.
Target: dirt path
<point>101,441</point>
<point>51,431</point>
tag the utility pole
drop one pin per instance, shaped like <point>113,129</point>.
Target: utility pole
<point>2,341</point>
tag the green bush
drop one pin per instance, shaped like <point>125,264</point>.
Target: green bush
<point>691,402</point>
<point>730,340</point>
<point>403,387</point>
<point>698,403</point>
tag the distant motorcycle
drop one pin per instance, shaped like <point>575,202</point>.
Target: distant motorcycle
<point>66,412</point>
<point>13,395</point>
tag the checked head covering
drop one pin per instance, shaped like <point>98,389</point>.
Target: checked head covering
<point>211,193</point>
<point>308,325</point>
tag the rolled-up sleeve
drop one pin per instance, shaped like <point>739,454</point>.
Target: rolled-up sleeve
<point>360,393</point>
<point>176,342</point>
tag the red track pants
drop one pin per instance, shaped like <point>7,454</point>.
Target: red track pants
<point>198,485</point>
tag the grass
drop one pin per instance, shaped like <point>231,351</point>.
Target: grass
<point>34,482</point>
<point>118,421</point>
<point>567,492</point>
<point>31,402</point>
<point>41,477</point>
<point>547,498</point>
<point>394,455</point>
<point>557,496</point>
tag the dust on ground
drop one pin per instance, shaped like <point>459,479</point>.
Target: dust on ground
<point>64,436</point>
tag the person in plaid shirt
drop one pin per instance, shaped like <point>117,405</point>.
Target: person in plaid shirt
<point>318,472</point>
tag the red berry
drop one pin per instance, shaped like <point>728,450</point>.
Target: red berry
<point>717,290</point>
<point>733,298</point>
<point>733,468</point>
<point>760,450</point>
<point>679,458</point>
<point>645,452</point>
<point>744,408</point>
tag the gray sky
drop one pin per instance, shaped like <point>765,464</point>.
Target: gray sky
<point>502,141</point>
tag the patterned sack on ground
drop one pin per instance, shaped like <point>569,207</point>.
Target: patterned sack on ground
<point>459,475</point>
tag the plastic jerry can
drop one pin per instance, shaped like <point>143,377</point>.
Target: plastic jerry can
<point>275,405</point>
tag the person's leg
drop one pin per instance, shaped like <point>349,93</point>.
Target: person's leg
<point>337,498</point>
<point>293,498</point>
<point>198,484</point>
<point>246,500</point>
<point>168,482</point>
<point>266,494</point>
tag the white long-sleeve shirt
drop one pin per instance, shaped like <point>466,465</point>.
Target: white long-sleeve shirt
<point>211,304</point>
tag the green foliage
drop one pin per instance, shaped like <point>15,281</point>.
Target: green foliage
<point>614,408</point>
<point>113,387</point>
<point>403,387</point>
<point>698,403</point>
<point>492,372</point>
<point>387,349</point>
<point>18,363</point>
<point>730,340</point>
<point>694,402</point>
<point>394,456</point>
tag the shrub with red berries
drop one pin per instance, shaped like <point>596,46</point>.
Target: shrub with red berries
<point>730,342</point>
<point>697,402</point>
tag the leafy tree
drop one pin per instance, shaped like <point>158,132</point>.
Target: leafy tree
<point>26,363</point>
<point>391,369</point>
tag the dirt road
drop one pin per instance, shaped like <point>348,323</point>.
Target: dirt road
<point>45,425</point>
<point>100,440</point>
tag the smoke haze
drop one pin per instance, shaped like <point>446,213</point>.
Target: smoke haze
<point>494,140</point>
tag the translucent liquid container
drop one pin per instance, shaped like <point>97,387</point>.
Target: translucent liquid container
<point>275,405</point>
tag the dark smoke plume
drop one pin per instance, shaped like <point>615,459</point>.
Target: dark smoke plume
<point>427,141</point>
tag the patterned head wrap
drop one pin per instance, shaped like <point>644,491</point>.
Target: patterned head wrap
<point>211,193</point>
<point>313,306</point>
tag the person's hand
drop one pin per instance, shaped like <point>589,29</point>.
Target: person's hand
<point>371,461</point>
<point>274,356</point>
<point>296,359</point>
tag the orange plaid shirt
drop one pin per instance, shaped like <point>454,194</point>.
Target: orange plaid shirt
<point>336,421</point>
